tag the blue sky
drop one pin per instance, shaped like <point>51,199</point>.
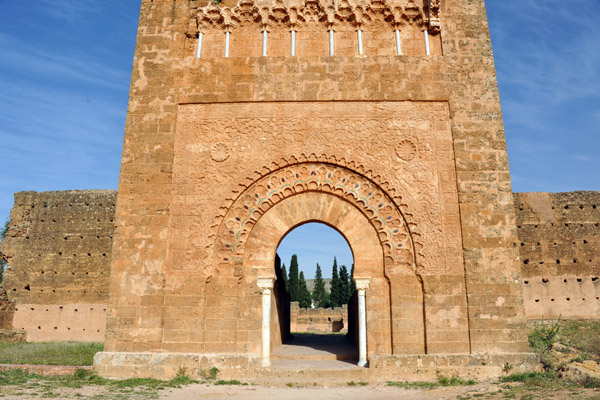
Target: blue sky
<point>315,243</point>
<point>65,67</point>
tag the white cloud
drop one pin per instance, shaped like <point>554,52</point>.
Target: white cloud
<point>69,10</point>
<point>52,63</point>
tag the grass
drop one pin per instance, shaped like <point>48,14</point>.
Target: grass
<point>583,336</point>
<point>579,337</point>
<point>352,383</point>
<point>541,339</point>
<point>49,353</point>
<point>230,382</point>
<point>576,337</point>
<point>442,381</point>
<point>546,379</point>
<point>84,377</point>
<point>19,382</point>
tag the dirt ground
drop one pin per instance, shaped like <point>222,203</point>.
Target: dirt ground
<point>370,392</point>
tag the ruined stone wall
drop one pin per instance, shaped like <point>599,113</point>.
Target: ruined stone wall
<point>560,253</point>
<point>58,249</point>
<point>318,320</point>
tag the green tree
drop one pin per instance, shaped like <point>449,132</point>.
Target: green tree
<point>344,285</point>
<point>3,233</point>
<point>352,283</point>
<point>4,230</point>
<point>292,282</point>
<point>334,297</point>
<point>326,301</point>
<point>284,275</point>
<point>319,293</point>
<point>304,294</point>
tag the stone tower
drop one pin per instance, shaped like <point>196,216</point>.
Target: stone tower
<point>380,118</point>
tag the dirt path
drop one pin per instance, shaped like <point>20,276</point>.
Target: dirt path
<point>376,392</point>
<point>371,392</point>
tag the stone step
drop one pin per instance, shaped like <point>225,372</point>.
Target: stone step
<point>312,373</point>
<point>315,357</point>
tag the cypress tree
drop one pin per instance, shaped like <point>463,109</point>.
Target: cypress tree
<point>293,279</point>
<point>352,283</point>
<point>318,294</point>
<point>334,297</point>
<point>344,285</point>
<point>304,294</point>
<point>326,301</point>
<point>285,278</point>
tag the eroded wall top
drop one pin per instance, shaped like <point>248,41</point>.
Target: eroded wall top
<point>58,247</point>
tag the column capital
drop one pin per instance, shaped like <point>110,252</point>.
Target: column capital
<point>362,283</point>
<point>265,282</point>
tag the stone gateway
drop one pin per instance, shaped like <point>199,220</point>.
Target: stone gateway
<point>378,118</point>
<point>246,120</point>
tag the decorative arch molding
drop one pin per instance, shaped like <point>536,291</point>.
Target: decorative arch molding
<point>291,177</point>
<point>306,13</point>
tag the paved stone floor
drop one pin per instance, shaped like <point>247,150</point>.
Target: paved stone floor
<point>306,346</point>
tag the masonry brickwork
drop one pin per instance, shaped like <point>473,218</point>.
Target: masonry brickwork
<point>559,240</point>
<point>560,253</point>
<point>318,320</point>
<point>403,154</point>
<point>59,249</point>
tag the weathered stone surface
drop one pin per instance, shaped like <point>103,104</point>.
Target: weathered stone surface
<point>560,246</point>
<point>586,373</point>
<point>7,310</point>
<point>59,249</point>
<point>320,320</point>
<point>247,367</point>
<point>404,155</point>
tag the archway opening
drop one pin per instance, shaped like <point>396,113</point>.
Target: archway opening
<point>315,263</point>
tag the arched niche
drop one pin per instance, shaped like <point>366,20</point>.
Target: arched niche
<point>374,227</point>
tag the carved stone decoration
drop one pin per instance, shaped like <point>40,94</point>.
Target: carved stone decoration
<point>414,189</point>
<point>311,12</point>
<point>406,150</point>
<point>393,230</point>
<point>219,152</point>
<point>433,15</point>
<point>239,268</point>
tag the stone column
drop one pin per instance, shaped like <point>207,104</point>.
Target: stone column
<point>362,284</point>
<point>266,284</point>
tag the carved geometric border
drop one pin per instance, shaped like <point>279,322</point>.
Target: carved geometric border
<point>321,174</point>
<point>313,12</point>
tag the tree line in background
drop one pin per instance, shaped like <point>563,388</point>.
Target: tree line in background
<point>3,232</point>
<point>342,286</point>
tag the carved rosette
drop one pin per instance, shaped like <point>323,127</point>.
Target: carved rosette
<point>219,152</point>
<point>311,12</point>
<point>390,224</point>
<point>406,150</point>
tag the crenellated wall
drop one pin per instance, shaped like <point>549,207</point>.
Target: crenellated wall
<point>560,253</point>
<point>318,320</point>
<point>237,29</point>
<point>59,248</point>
